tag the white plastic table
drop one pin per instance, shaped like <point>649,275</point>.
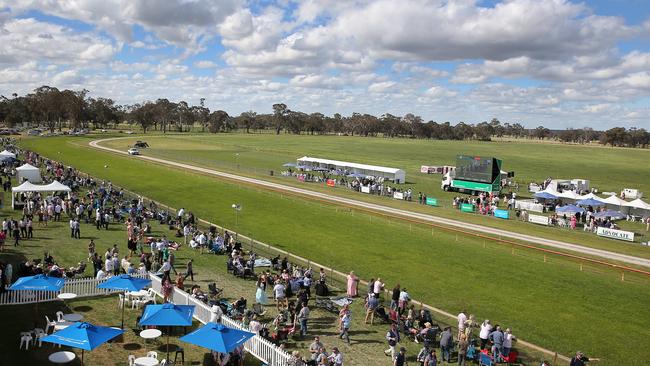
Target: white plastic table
<point>146,361</point>
<point>72,317</point>
<point>62,325</point>
<point>62,357</point>
<point>150,333</point>
<point>140,293</point>
<point>66,296</point>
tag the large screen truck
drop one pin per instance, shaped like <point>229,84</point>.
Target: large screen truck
<point>474,174</point>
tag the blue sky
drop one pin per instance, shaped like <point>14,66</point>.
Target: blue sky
<point>561,63</point>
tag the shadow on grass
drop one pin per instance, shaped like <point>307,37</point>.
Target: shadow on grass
<point>132,346</point>
<point>83,308</point>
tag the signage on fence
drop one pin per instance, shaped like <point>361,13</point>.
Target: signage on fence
<point>398,195</point>
<point>538,219</point>
<point>365,189</point>
<point>615,234</point>
<point>301,177</point>
<point>432,201</point>
<point>502,214</point>
<point>331,182</point>
<point>467,207</point>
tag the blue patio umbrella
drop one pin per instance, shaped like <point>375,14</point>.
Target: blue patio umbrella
<point>167,315</point>
<point>84,336</point>
<point>39,282</point>
<point>545,195</point>
<point>570,209</point>
<point>590,202</point>
<point>217,337</point>
<point>125,283</point>
<point>613,215</point>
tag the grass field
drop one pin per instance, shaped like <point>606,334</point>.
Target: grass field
<point>551,304</point>
<point>255,155</point>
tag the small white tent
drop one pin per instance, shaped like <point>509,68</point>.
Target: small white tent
<point>28,172</point>
<point>7,154</point>
<point>30,187</point>
<point>637,203</point>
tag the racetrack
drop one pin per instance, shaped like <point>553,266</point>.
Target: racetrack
<point>385,210</point>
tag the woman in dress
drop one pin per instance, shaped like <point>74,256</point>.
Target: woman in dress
<point>353,282</point>
<point>260,294</point>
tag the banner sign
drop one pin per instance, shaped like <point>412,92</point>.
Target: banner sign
<point>467,207</point>
<point>615,234</point>
<point>365,189</point>
<point>330,183</point>
<point>502,214</point>
<point>537,219</point>
<point>398,195</point>
<point>301,178</point>
<point>432,201</point>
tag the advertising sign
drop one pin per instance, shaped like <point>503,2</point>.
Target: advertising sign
<point>330,183</point>
<point>537,219</point>
<point>615,234</point>
<point>398,195</point>
<point>365,189</point>
<point>467,207</point>
<point>502,214</point>
<point>432,201</point>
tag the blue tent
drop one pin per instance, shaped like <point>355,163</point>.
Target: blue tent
<point>613,215</point>
<point>167,315</point>
<point>545,195</point>
<point>570,209</point>
<point>38,282</point>
<point>84,336</point>
<point>590,202</point>
<point>217,337</point>
<point>124,282</point>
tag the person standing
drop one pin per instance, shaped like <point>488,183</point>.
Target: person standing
<point>371,306</point>
<point>15,233</point>
<point>336,358</point>
<point>497,343</point>
<point>507,342</point>
<point>303,317</point>
<point>394,300</point>
<point>400,360</point>
<point>462,350</point>
<point>579,360</point>
<point>353,283</point>
<point>346,321</point>
<point>190,270</point>
<point>30,228</point>
<point>392,336</point>
<point>484,333</point>
<point>462,320</point>
<point>446,344</point>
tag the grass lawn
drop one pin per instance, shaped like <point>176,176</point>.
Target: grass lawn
<point>551,304</point>
<point>255,155</point>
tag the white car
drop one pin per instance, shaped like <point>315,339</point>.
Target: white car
<point>134,151</point>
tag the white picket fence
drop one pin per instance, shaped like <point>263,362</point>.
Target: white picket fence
<point>82,287</point>
<point>257,346</point>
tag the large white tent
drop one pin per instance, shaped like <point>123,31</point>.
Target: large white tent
<point>638,203</point>
<point>570,195</point>
<point>590,196</point>
<point>614,201</point>
<point>28,172</point>
<point>394,174</point>
<point>7,154</point>
<point>30,187</point>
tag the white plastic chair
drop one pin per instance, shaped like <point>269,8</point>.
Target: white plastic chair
<point>26,339</point>
<point>39,334</point>
<point>163,362</point>
<point>120,303</point>
<point>59,317</point>
<point>152,354</point>
<point>135,303</point>
<point>152,295</point>
<point>49,323</point>
<point>131,360</point>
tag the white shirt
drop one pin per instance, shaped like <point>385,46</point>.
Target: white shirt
<point>181,212</point>
<point>109,265</point>
<point>404,296</point>
<point>507,340</point>
<point>485,331</point>
<point>462,318</point>
<point>166,266</point>
<point>378,286</point>
<point>101,274</point>
<point>279,290</point>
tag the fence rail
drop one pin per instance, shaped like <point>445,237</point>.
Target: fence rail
<point>257,346</point>
<point>82,287</point>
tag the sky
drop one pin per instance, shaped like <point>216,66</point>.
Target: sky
<point>557,63</point>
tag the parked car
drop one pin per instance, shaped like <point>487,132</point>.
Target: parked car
<point>133,151</point>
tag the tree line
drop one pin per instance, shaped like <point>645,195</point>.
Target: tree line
<point>55,109</point>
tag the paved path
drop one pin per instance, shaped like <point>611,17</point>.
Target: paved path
<point>393,211</point>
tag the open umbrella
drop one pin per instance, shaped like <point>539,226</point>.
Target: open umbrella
<point>167,315</point>
<point>217,337</point>
<point>545,195</point>
<point>39,282</point>
<point>124,283</point>
<point>590,202</point>
<point>84,336</point>
<point>613,215</point>
<point>570,209</point>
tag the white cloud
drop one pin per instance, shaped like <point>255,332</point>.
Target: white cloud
<point>205,64</point>
<point>382,87</point>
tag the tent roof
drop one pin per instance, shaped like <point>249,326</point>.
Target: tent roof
<point>590,196</point>
<point>569,194</point>
<point>27,167</point>
<point>638,203</point>
<point>338,163</point>
<point>7,153</point>
<point>30,187</point>
<point>613,200</point>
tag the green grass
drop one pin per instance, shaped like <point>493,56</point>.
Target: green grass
<point>255,155</point>
<point>551,304</point>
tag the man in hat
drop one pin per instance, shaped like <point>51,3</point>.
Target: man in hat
<point>579,360</point>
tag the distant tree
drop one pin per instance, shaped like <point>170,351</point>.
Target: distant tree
<point>541,132</point>
<point>280,114</point>
<point>484,131</point>
<point>246,120</point>
<point>614,136</point>
<point>142,114</point>
<point>217,121</point>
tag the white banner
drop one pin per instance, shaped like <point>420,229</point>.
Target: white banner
<point>537,219</point>
<point>615,234</point>
<point>365,189</point>
<point>529,206</point>
<point>398,195</point>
